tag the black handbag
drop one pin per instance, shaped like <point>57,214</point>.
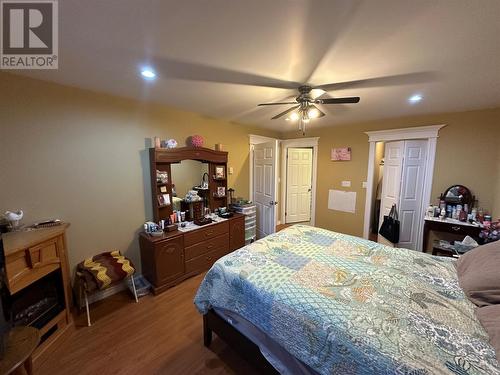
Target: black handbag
<point>390,226</point>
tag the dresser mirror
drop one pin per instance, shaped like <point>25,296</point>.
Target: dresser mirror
<point>188,175</point>
<point>458,194</point>
<point>187,179</point>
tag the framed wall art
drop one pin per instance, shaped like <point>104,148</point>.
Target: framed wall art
<point>341,154</point>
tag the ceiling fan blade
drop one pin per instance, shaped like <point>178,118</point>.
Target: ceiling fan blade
<point>352,99</point>
<point>395,80</point>
<point>285,112</point>
<point>281,103</point>
<point>200,72</point>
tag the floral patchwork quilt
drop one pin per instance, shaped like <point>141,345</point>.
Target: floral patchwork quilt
<point>345,305</point>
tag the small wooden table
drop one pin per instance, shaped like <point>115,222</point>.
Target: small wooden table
<point>21,343</point>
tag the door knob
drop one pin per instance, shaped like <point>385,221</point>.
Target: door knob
<point>273,203</point>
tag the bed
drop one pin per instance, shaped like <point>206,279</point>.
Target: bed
<point>338,304</point>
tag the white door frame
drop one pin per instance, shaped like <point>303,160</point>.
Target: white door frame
<point>311,142</point>
<point>419,132</point>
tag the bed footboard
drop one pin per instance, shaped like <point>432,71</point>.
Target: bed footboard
<point>236,340</point>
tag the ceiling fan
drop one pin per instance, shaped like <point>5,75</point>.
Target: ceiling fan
<point>305,105</point>
<point>304,108</point>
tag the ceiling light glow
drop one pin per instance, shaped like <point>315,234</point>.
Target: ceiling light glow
<point>312,113</point>
<point>415,98</point>
<point>148,73</point>
<point>294,116</point>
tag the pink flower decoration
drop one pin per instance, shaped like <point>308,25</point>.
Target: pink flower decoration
<point>197,141</point>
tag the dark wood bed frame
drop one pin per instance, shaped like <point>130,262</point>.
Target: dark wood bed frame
<point>236,340</point>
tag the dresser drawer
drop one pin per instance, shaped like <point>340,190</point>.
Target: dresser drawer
<point>220,242</point>
<point>453,228</point>
<point>199,235</point>
<point>204,262</point>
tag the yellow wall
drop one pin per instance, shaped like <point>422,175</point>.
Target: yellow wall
<point>466,152</point>
<point>81,156</point>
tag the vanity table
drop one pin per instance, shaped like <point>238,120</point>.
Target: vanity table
<point>449,226</point>
<point>453,196</point>
<point>174,256</point>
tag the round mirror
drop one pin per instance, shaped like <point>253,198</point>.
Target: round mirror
<point>457,194</point>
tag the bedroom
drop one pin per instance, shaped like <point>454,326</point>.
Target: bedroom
<point>75,140</point>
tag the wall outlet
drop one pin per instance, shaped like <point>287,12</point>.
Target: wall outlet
<point>346,183</point>
<point>364,184</point>
<point>230,170</point>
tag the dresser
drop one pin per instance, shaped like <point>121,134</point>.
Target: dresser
<point>173,257</point>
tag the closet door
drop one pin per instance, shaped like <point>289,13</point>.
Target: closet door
<point>391,184</point>
<point>412,185</point>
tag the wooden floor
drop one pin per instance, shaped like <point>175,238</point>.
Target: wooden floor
<point>158,335</point>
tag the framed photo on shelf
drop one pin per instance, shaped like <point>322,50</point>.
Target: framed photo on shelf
<point>161,177</point>
<point>220,172</point>
<point>163,189</point>
<point>221,191</point>
<point>163,200</point>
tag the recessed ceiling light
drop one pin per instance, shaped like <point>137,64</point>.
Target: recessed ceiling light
<point>148,73</point>
<point>415,98</point>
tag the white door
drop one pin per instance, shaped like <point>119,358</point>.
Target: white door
<point>298,185</point>
<point>264,186</point>
<point>412,185</point>
<point>391,183</point>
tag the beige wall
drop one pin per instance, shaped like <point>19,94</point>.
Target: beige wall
<point>81,156</point>
<point>466,152</point>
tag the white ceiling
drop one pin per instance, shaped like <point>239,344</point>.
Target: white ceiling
<point>198,47</point>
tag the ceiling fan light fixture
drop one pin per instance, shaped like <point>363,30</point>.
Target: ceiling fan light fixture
<point>294,116</point>
<point>312,113</point>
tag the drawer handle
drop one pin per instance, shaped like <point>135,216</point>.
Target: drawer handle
<point>455,228</point>
<point>209,247</point>
<point>208,233</point>
<point>209,259</point>
<point>168,250</point>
